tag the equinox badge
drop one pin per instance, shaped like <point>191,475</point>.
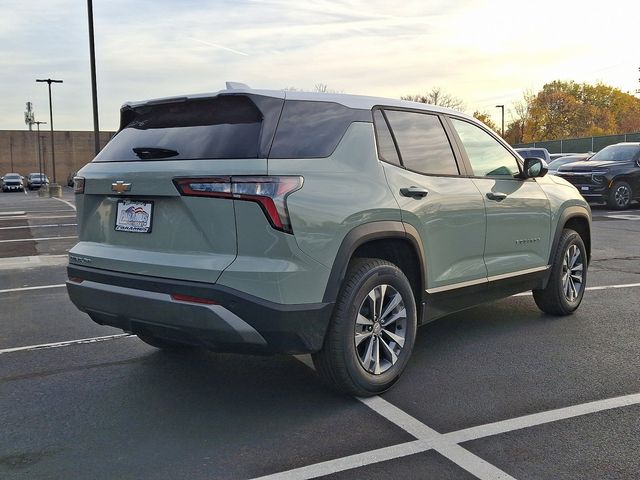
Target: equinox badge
<point>120,187</point>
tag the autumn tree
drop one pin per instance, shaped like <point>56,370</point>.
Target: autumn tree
<point>437,96</point>
<point>485,118</point>
<point>569,109</point>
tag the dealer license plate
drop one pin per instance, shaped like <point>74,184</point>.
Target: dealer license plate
<point>134,216</point>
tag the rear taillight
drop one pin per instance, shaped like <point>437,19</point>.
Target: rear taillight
<point>269,192</point>
<point>78,185</point>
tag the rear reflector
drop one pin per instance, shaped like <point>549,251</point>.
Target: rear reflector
<point>76,279</point>
<point>269,192</point>
<point>188,298</point>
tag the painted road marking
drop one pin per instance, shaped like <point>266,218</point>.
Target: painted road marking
<point>10,263</point>
<point>37,239</point>
<point>623,217</point>
<point>44,346</point>
<point>448,442</point>
<point>12,213</point>
<point>26,289</point>
<point>602,287</point>
<point>64,201</point>
<point>30,217</point>
<point>40,226</point>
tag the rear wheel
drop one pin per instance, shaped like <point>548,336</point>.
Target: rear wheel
<point>565,289</point>
<point>163,343</point>
<point>372,330</point>
<point>620,196</point>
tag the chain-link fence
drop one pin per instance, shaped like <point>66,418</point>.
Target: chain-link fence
<point>582,145</point>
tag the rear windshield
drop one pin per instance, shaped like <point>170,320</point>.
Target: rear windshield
<point>227,126</point>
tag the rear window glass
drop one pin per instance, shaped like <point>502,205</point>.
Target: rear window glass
<point>313,129</point>
<point>423,143</point>
<point>386,148</point>
<point>227,126</point>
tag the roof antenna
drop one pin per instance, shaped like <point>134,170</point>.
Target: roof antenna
<point>237,86</point>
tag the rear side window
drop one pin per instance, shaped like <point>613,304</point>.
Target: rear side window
<point>313,129</point>
<point>227,126</point>
<point>386,148</point>
<point>423,143</point>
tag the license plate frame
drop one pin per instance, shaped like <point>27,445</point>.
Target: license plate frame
<point>134,216</point>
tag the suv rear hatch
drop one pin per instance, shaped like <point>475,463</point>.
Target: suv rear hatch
<point>132,215</point>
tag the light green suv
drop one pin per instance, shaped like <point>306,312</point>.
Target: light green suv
<point>268,221</point>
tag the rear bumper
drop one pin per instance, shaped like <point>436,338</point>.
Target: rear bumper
<point>237,322</point>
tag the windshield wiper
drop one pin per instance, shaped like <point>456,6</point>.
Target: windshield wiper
<point>148,153</point>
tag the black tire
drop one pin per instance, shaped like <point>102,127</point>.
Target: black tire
<point>339,362</point>
<point>163,343</point>
<point>620,196</point>
<point>554,299</point>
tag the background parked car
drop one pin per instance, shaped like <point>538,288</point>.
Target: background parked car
<point>555,156</point>
<point>558,162</point>
<point>12,182</point>
<point>612,175</point>
<point>36,180</point>
<point>70,179</point>
<point>542,153</point>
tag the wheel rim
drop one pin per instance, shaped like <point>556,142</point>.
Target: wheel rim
<point>622,195</point>
<point>381,329</point>
<point>572,273</point>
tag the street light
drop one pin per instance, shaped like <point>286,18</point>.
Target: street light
<point>39,155</point>
<point>502,107</point>
<point>53,155</point>
<point>94,88</point>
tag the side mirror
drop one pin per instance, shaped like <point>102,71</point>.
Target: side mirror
<point>534,167</point>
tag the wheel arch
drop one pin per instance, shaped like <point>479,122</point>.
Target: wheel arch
<point>393,241</point>
<point>578,219</point>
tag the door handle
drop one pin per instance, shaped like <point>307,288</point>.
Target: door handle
<point>415,192</point>
<point>497,196</point>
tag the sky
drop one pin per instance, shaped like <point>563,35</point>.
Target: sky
<point>485,52</point>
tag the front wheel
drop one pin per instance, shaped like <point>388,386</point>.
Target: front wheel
<point>620,196</point>
<point>565,289</point>
<point>372,330</point>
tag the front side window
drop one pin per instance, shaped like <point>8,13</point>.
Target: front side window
<point>423,143</point>
<point>487,156</point>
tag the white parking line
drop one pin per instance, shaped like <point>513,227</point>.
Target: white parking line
<point>14,214</point>
<point>30,217</point>
<point>602,287</point>
<point>36,239</point>
<point>40,226</point>
<point>43,346</point>
<point>39,287</point>
<point>447,444</point>
<point>64,201</point>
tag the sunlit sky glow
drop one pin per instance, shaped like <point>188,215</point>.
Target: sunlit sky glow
<point>484,52</point>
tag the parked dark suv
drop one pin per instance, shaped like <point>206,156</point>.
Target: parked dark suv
<point>612,175</point>
<point>292,222</point>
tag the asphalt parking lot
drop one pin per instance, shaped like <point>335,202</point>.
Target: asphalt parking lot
<point>497,392</point>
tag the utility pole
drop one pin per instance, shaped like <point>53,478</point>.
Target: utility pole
<point>53,155</point>
<point>39,155</point>
<point>502,107</point>
<point>11,151</point>
<point>94,88</point>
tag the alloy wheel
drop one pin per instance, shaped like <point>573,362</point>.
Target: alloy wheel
<point>622,196</point>
<point>572,273</point>
<point>381,329</point>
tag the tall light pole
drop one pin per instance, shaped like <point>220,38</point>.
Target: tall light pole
<point>502,107</point>
<point>94,88</point>
<point>39,151</point>
<point>53,155</point>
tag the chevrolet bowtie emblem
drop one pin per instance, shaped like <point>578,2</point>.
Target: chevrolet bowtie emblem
<point>120,187</point>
